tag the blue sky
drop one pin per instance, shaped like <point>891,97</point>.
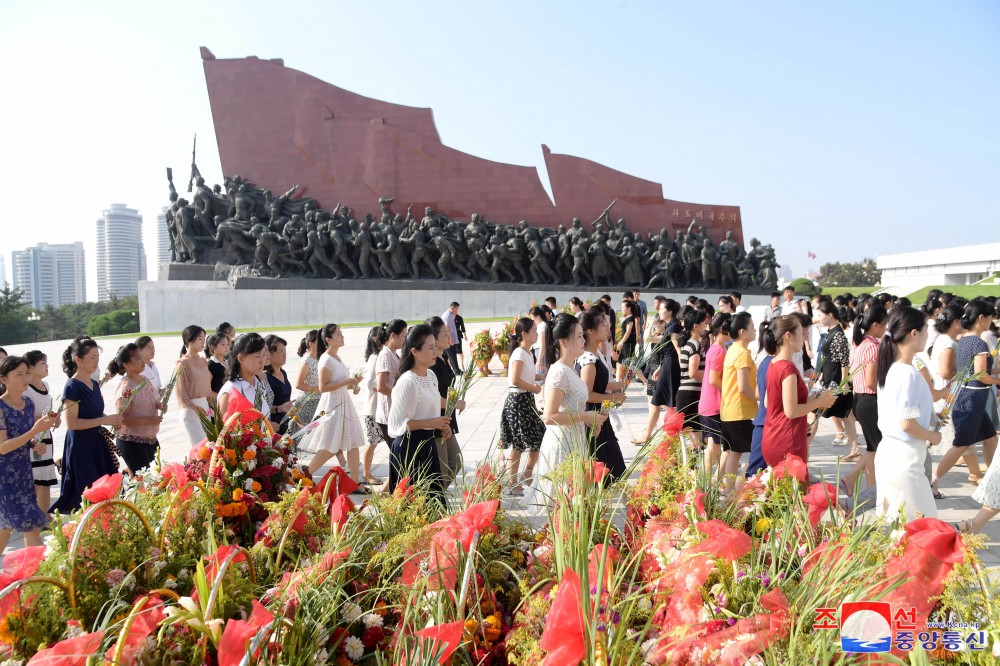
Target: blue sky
<point>844,128</point>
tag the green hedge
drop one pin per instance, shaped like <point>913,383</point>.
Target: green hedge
<point>114,323</point>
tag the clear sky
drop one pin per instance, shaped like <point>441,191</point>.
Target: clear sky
<point>842,128</point>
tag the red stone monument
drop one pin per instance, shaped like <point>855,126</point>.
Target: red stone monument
<point>277,126</point>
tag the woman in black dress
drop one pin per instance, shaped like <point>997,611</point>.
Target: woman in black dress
<point>628,341</point>
<point>604,445</point>
<point>277,379</point>
<point>836,355</point>
<point>668,375</point>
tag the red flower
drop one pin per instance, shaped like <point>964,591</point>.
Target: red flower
<point>450,635</point>
<point>341,509</point>
<point>107,487</point>
<point>596,472</point>
<point>819,497</point>
<point>21,564</point>
<point>791,466</point>
<point>71,652</point>
<point>563,636</point>
<point>402,487</point>
<point>215,561</point>
<point>673,422</point>
<point>339,482</point>
<point>238,404</point>
<point>233,645</point>
<point>145,623</point>
<point>372,637</point>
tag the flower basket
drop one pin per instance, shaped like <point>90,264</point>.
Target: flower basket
<point>501,344</point>
<point>482,351</point>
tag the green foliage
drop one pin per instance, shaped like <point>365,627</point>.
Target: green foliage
<point>965,291</point>
<point>114,323</point>
<point>15,325</point>
<point>862,273</point>
<point>805,287</point>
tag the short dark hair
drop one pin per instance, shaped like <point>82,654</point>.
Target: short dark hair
<point>789,288</point>
<point>775,294</point>
<point>550,299</point>
<point>454,304</point>
<point>606,297</point>
<point>737,295</point>
<point>628,296</point>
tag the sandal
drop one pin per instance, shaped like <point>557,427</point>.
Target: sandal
<point>639,442</point>
<point>973,479</point>
<point>373,481</point>
<point>515,491</point>
<point>840,439</point>
<point>962,527</point>
<point>851,457</point>
<point>937,493</point>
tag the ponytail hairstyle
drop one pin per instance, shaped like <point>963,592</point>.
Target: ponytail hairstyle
<point>562,328</point>
<point>326,332</point>
<point>309,339</point>
<point>389,329</point>
<point>774,335</point>
<point>902,320</point>
<point>948,315</point>
<point>974,310</point>
<point>189,335</point>
<point>523,325</point>
<point>246,344</point>
<point>416,338</point>
<point>537,312</point>
<point>80,347</point>
<point>576,301</point>
<point>125,355</point>
<point>373,345</point>
<point>590,321</point>
<point>673,307</point>
<point>225,328</point>
<point>740,322</point>
<point>211,342</point>
<point>143,341</point>
<point>833,310</point>
<point>720,324</point>
<point>693,317</point>
<point>876,314</point>
<point>762,329</point>
<point>931,307</point>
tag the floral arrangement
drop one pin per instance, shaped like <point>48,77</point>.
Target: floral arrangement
<point>152,572</point>
<point>482,347</point>
<point>501,341</point>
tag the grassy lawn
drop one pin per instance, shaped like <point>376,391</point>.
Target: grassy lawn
<point>966,291</point>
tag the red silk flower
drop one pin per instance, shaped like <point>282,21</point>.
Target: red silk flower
<point>723,541</point>
<point>819,498</point>
<point>791,466</point>
<point>596,472</point>
<point>107,487</point>
<point>145,623</point>
<point>215,561</point>
<point>339,481</point>
<point>70,652</point>
<point>448,636</point>
<point>340,510</point>
<point>238,404</point>
<point>563,636</point>
<point>233,645</point>
<point>402,487</point>
<point>673,422</point>
<point>458,529</point>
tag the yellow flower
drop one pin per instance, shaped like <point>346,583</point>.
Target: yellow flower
<point>238,494</point>
<point>249,455</point>
<point>256,487</point>
<point>763,525</point>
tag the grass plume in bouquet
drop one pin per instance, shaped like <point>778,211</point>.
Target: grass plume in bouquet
<point>460,386</point>
<point>168,390</point>
<point>641,358</point>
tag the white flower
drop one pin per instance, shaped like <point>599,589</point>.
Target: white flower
<point>183,574</point>
<point>170,584</point>
<point>322,656</point>
<point>372,620</point>
<point>648,645</point>
<point>350,612</point>
<point>190,532</point>
<point>248,484</point>
<point>252,448</point>
<point>188,604</point>
<point>237,473</point>
<point>157,565</point>
<point>645,605</point>
<point>279,463</point>
<point>11,662</point>
<point>354,648</point>
<point>129,582</point>
<point>251,464</point>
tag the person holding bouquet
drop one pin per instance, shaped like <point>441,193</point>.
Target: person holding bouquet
<point>521,428</point>
<point>972,423</point>
<point>19,430</point>
<point>136,401</point>
<point>43,466</point>
<point>448,450</point>
<point>836,366</point>
<point>277,379</point>
<point>391,335</point>
<point>194,383</point>
<point>905,418</point>
<point>869,328</point>
<point>738,404</point>
<point>216,350</point>
<point>788,402</point>
<point>415,419</point>
<point>373,433</point>
<point>86,456</point>
<point>601,391</point>
<point>341,433</point>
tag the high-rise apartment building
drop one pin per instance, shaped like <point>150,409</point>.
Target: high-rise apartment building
<point>3,270</point>
<point>50,274</point>
<point>162,238</point>
<point>121,258</point>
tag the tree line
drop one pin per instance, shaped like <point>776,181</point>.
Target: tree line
<point>20,323</point>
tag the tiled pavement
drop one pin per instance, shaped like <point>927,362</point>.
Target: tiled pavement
<point>480,422</point>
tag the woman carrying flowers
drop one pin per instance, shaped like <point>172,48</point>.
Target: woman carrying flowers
<point>194,383</point>
<point>43,466</point>
<point>135,400</point>
<point>521,429</point>
<point>19,428</point>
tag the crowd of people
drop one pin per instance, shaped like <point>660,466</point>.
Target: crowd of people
<point>869,363</point>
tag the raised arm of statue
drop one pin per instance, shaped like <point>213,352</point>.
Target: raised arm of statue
<point>287,195</point>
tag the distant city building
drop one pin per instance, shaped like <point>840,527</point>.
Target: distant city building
<point>908,272</point>
<point>50,274</point>
<point>3,270</point>
<point>121,258</point>
<point>162,238</point>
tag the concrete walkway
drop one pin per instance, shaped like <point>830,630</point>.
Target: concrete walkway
<point>479,424</point>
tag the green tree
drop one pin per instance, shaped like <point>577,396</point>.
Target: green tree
<point>15,325</point>
<point>805,286</point>
<point>862,273</point>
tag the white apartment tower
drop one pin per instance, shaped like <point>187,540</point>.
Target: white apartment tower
<point>50,274</point>
<point>121,258</point>
<point>162,239</point>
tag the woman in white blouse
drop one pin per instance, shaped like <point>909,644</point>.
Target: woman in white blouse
<point>415,419</point>
<point>905,418</point>
<point>246,362</point>
<point>565,416</point>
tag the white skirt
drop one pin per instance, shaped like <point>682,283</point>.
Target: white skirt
<point>900,480</point>
<point>342,432</point>
<point>191,421</point>
<point>558,444</point>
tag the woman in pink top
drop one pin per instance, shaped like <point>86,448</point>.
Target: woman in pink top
<point>710,402</point>
<point>194,383</point>
<point>868,331</point>
<point>136,400</point>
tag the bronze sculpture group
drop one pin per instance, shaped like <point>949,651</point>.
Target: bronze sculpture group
<point>241,224</point>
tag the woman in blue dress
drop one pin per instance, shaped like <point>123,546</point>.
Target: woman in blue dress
<point>86,457</point>
<point>19,508</point>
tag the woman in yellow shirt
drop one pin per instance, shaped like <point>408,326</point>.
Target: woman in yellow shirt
<point>739,399</point>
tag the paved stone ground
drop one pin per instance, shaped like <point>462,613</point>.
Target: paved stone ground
<point>479,424</point>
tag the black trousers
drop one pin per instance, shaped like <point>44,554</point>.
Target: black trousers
<point>137,455</point>
<point>414,454</point>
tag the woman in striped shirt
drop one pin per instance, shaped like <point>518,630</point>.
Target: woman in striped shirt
<point>692,369</point>
<point>869,329</point>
